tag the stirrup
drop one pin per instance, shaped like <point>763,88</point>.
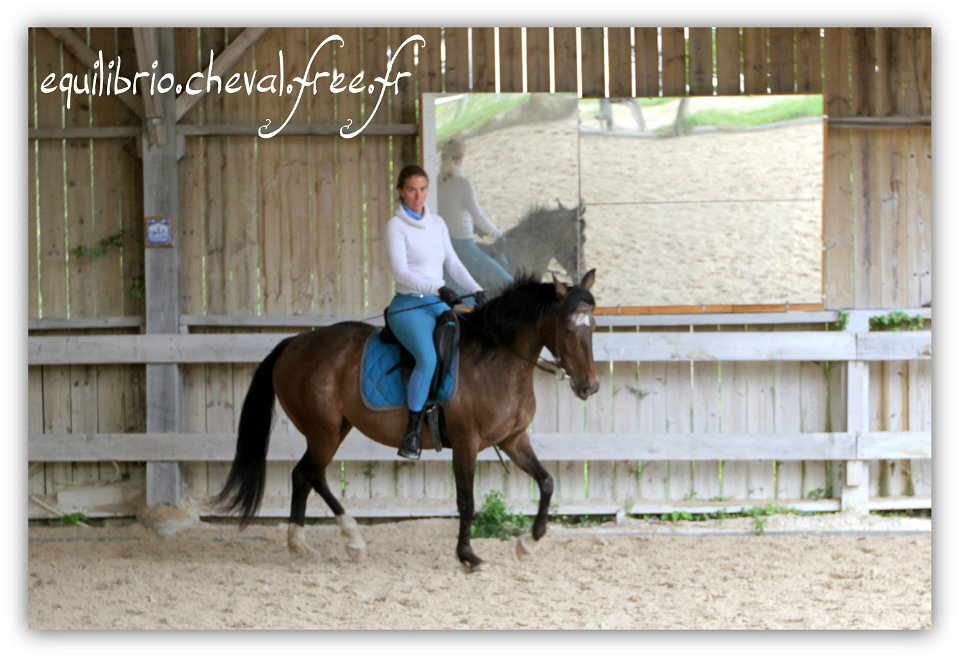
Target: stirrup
<point>409,452</point>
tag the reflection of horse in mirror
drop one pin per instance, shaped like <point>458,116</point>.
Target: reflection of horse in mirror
<point>543,234</point>
<point>316,378</point>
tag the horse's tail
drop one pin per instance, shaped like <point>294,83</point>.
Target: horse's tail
<point>243,490</point>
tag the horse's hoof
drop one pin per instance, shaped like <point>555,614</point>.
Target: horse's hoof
<point>297,545</point>
<point>307,558</point>
<point>304,553</point>
<point>526,547</point>
<point>477,567</point>
<point>356,553</point>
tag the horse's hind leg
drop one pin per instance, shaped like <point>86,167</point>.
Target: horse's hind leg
<point>521,453</point>
<point>310,473</point>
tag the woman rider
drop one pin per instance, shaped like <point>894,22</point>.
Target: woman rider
<point>419,248</point>
<point>457,204</point>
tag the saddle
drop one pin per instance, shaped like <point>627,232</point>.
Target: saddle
<point>446,340</point>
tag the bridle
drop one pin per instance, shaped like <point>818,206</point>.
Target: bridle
<point>553,367</point>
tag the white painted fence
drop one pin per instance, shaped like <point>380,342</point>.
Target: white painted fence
<point>695,420</point>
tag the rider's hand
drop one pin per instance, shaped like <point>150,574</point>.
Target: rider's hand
<point>479,297</point>
<point>447,295</point>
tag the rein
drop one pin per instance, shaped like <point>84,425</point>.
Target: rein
<point>554,368</point>
<point>396,313</point>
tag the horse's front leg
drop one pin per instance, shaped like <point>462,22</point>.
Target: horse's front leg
<point>520,451</point>
<point>464,466</point>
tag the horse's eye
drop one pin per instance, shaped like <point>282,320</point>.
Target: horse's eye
<point>570,332</point>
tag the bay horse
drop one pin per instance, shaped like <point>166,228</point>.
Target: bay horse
<point>315,377</point>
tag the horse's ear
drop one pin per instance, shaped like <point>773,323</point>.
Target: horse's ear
<point>559,287</point>
<point>587,281</point>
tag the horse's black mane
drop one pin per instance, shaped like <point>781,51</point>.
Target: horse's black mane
<point>495,324</point>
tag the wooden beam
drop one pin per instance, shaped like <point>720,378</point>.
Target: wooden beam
<point>123,502</point>
<point>887,346</point>
<point>672,309</point>
<point>162,446</point>
<point>405,508</point>
<point>724,346</point>
<point>783,318</point>
<point>291,130</point>
<point>669,320</point>
<point>85,133</point>
<point>145,40</point>
<point>916,445</point>
<point>193,320</point>
<point>170,348</point>
<point>76,47</point>
<point>714,319</point>
<point>221,64</point>
<point>114,322</point>
<point>274,506</point>
<point>161,199</point>
<point>855,494</point>
<point>879,122</point>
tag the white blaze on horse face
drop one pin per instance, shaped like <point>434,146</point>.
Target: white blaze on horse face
<point>583,319</point>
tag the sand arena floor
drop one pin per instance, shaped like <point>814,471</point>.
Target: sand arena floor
<point>873,573</point>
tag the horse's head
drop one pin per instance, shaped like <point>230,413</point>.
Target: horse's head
<point>572,343</point>
<point>569,233</point>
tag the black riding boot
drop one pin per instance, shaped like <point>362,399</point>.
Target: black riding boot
<point>410,446</point>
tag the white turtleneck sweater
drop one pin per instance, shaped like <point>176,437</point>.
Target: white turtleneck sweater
<point>457,204</point>
<point>419,250</point>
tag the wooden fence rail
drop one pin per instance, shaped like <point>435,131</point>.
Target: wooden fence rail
<point>146,447</point>
<point>854,441</point>
<point>620,346</point>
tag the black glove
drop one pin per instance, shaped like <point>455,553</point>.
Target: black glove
<point>479,297</point>
<point>447,295</point>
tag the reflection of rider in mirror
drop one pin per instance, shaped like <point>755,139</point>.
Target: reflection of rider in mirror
<point>457,205</point>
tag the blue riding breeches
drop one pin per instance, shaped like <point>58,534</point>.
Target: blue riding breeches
<point>485,269</point>
<point>413,319</point>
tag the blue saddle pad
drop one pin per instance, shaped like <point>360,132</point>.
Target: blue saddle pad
<point>381,390</point>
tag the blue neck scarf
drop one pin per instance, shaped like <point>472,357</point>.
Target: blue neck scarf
<point>411,212</point>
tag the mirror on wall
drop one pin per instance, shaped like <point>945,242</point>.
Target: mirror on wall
<point>677,201</point>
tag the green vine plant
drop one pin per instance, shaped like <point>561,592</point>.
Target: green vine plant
<point>818,493</point>
<point>495,520</point>
<point>896,321</point>
<point>74,519</point>
<point>103,247</point>
<point>842,321</point>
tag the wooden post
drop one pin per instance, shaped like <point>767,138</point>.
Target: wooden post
<point>855,495</point>
<point>162,281</point>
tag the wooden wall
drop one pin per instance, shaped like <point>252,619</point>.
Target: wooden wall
<point>292,225</point>
<point>80,192</point>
